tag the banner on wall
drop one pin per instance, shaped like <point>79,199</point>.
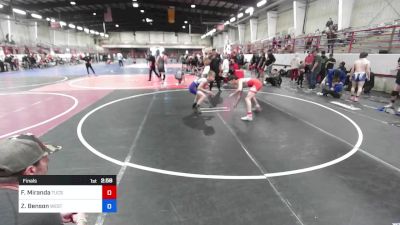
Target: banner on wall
<point>171,14</point>
<point>220,27</point>
<point>108,15</point>
<point>55,25</point>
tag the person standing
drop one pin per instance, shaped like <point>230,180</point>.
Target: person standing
<point>88,63</point>
<point>329,23</point>
<point>294,65</point>
<point>261,66</point>
<point>330,64</point>
<point>270,61</point>
<point>152,66</point>
<point>215,66</point>
<point>396,89</point>
<point>315,70</point>
<point>26,155</point>
<point>120,59</point>
<point>160,62</point>
<point>322,73</point>
<point>361,72</point>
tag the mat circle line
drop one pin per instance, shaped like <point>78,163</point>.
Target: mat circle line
<point>45,121</point>
<point>221,177</point>
<point>34,85</point>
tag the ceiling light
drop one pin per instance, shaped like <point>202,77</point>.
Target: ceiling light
<point>116,25</point>
<point>261,3</point>
<point>62,23</point>
<point>106,35</point>
<point>97,33</point>
<point>149,20</point>
<point>73,3</point>
<point>135,5</point>
<point>183,27</point>
<point>250,10</point>
<point>79,28</point>
<point>193,6</point>
<point>134,0</point>
<point>240,15</point>
<point>71,26</point>
<point>36,16</point>
<point>86,30</point>
<point>186,21</point>
<point>22,12</point>
<point>1,6</point>
<point>92,31</point>
<point>94,14</point>
<point>226,23</point>
<point>142,11</point>
<point>102,34</point>
<point>233,19</point>
<point>52,20</point>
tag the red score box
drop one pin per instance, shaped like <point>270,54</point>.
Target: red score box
<point>109,191</point>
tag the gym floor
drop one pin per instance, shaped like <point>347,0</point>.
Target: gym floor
<point>305,159</point>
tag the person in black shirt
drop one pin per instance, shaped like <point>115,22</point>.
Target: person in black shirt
<point>152,66</point>
<point>270,60</point>
<point>396,89</point>
<point>329,23</point>
<point>331,62</point>
<point>215,66</point>
<point>88,63</point>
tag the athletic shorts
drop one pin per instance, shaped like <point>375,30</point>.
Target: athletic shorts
<point>193,88</point>
<point>359,76</point>
<point>161,69</point>
<point>255,84</point>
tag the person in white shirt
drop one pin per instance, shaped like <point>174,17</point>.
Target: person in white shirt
<point>120,58</point>
<point>225,66</point>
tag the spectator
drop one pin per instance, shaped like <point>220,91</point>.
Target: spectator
<point>301,74</point>
<point>254,62</point>
<point>330,64</point>
<point>261,65</point>
<point>329,23</point>
<point>331,36</point>
<point>225,66</point>
<point>309,41</point>
<point>308,61</point>
<point>315,70</point>
<point>240,59</point>
<point>120,59</point>
<point>274,78</point>
<point>396,89</point>
<point>322,73</point>
<point>294,64</point>
<point>270,61</point>
<point>26,155</point>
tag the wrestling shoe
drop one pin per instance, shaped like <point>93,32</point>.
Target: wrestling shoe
<point>247,118</point>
